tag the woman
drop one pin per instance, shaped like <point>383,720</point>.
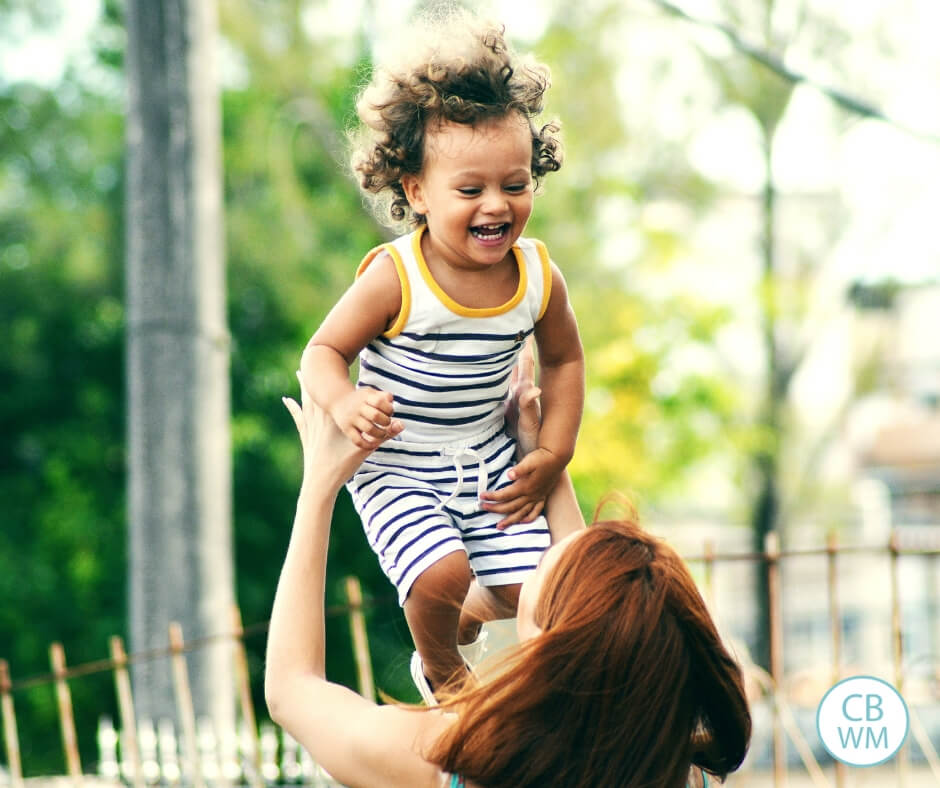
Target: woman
<point>620,680</point>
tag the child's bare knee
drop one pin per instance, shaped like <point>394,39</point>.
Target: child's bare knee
<point>447,580</point>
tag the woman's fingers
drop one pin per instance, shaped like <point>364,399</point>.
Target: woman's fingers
<point>305,399</point>
<point>529,396</point>
<point>295,412</point>
<point>526,365</point>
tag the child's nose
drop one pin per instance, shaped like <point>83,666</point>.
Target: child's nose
<point>495,202</point>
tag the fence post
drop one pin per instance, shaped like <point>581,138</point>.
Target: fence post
<point>130,750</point>
<point>66,715</point>
<point>897,644</point>
<point>10,737</point>
<point>184,704</point>
<point>835,622</point>
<point>245,701</point>
<point>933,610</point>
<point>772,556</point>
<point>357,624</point>
<point>709,580</point>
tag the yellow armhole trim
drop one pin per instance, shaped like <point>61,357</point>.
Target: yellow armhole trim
<point>546,277</point>
<point>460,309</point>
<point>405,310</point>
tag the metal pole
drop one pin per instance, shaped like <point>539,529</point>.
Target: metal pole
<point>772,555</point>
<point>835,621</point>
<point>897,643</point>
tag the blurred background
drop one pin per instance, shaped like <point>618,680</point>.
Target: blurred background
<point>747,221</point>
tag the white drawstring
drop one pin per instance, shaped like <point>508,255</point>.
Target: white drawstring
<point>482,474</point>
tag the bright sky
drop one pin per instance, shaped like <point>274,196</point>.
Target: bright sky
<point>41,57</point>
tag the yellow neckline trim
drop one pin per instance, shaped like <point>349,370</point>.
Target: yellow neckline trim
<point>399,324</point>
<point>546,277</point>
<point>450,303</point>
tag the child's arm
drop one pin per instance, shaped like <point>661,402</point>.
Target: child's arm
<point>561,362</point>
<point>367,308</point>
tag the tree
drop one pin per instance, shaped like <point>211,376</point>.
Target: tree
<point>179,481</point>
<point>61,411</point>
<point>779,458</point>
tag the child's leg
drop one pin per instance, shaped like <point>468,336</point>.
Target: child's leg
<point>486,603</point>
<point>432,610</point>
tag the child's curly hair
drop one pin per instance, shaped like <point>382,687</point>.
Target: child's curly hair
<point>457,69</point>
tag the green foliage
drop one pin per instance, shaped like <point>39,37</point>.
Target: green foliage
<point>61,409</point>
<point>295,230</point>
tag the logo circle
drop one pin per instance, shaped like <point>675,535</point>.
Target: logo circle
<point>862,721</point>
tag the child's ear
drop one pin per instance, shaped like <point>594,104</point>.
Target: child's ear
<point>414,193</point>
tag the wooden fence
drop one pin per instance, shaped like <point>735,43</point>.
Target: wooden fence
<point>143,753</point>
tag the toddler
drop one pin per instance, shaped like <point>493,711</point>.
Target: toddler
<point>437,319</point>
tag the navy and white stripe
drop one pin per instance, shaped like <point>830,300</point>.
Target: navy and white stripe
<point>448,368</point>
<point>398,499</point>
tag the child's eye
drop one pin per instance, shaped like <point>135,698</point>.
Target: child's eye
<point>516,188</point>
<point>469,191</point>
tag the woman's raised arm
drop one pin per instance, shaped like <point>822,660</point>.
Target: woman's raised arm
<point>358,742</point>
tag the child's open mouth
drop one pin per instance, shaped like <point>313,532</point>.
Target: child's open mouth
<point>490,233</point>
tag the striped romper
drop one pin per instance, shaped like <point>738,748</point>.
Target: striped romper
<point>448,368</point>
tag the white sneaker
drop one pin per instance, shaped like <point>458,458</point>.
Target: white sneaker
<point>421,681</point>
<point>474,652</point>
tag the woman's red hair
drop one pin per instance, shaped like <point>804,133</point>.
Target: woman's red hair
<point>628,685</point>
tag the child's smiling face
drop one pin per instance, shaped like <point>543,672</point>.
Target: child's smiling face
<point>475,189</point>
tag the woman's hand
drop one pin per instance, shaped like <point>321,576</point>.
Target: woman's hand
<point>533,478</point>
<point>329,457</point>
<point>523,410</point>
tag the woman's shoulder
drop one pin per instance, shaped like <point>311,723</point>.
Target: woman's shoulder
<point>388,749</point>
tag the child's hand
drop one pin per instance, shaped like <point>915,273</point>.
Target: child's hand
<point>523,500</point>
<point>365,417</point>
<point>329,459</point>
